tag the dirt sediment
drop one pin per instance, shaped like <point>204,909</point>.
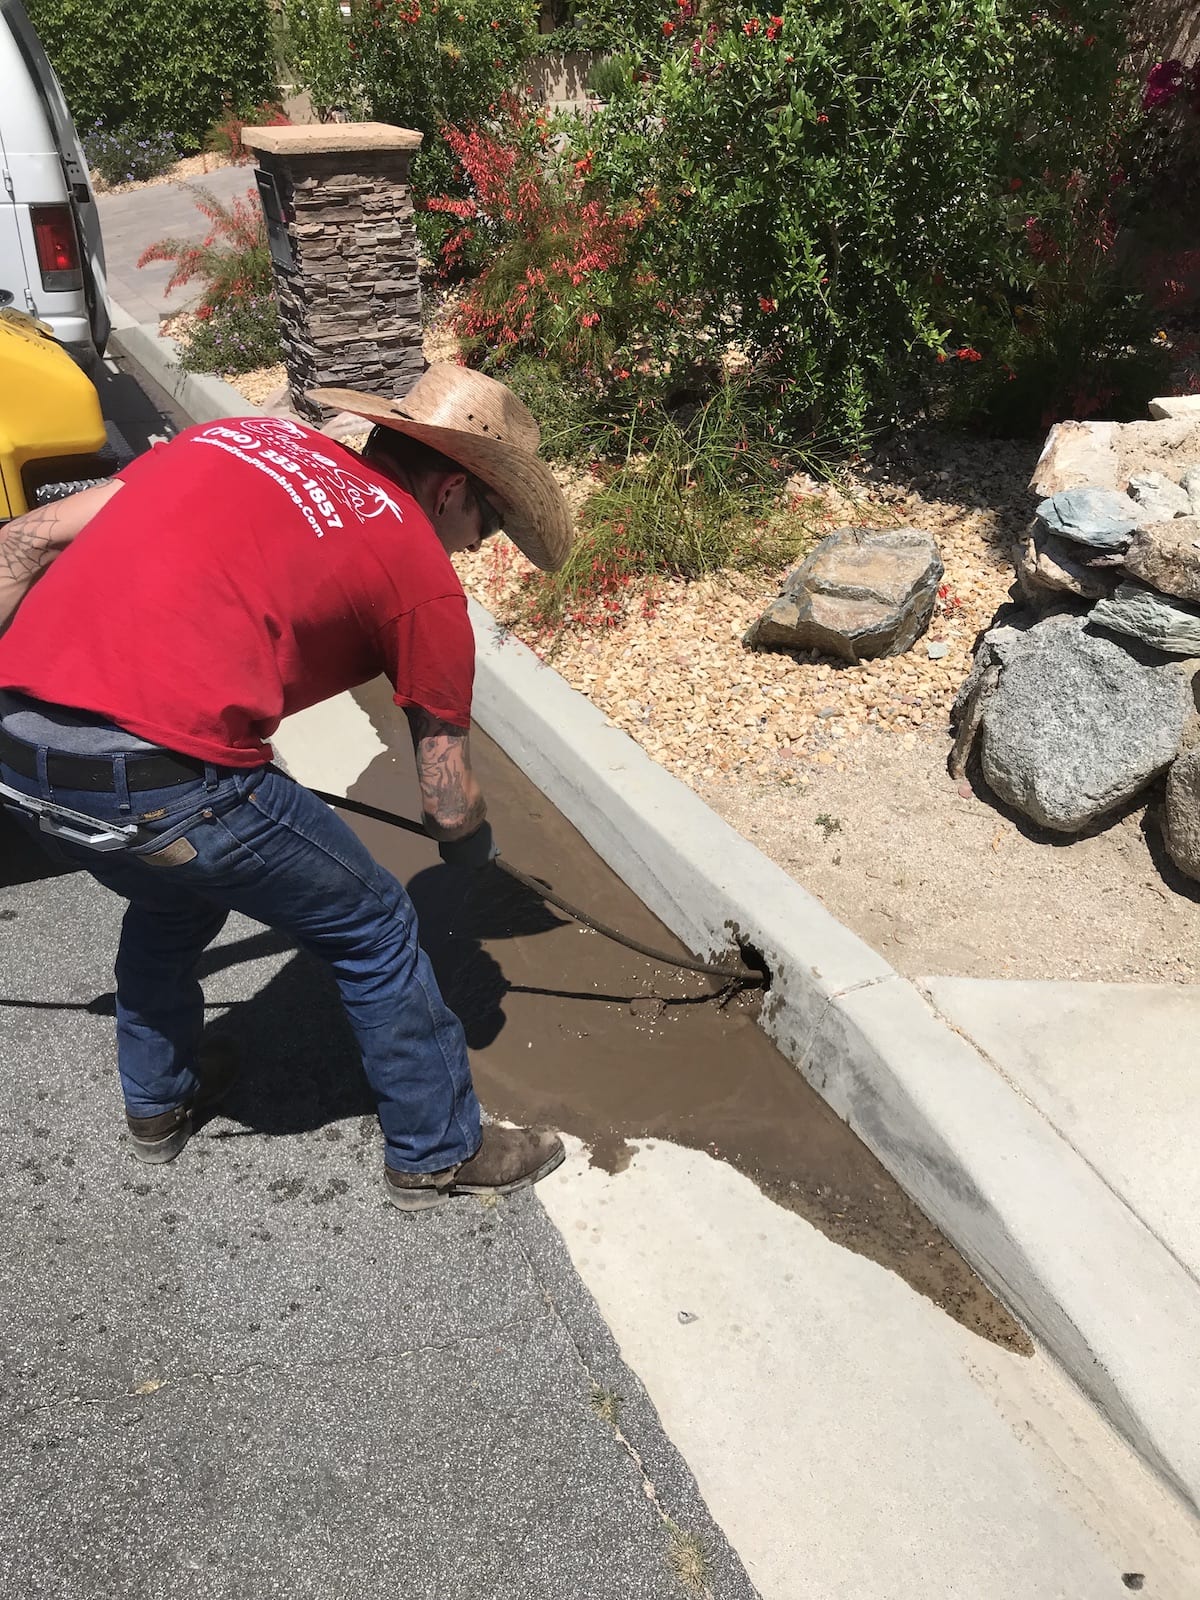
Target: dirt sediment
<point>557,1035</point>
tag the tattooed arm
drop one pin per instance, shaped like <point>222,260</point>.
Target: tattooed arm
<point>29,543</point>
<point>452,802</point>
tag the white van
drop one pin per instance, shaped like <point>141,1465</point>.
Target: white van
<point>51,255</point>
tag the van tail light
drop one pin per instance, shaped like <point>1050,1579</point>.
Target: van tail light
<point>57,247</point>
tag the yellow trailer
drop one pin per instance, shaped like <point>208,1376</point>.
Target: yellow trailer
<point>52,438</point>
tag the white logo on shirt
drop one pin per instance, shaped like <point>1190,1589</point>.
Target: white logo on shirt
<point>318,486</point>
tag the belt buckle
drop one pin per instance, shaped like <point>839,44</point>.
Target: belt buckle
<point>74,827</point>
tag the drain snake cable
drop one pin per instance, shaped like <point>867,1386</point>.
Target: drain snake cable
<point>735,977</point>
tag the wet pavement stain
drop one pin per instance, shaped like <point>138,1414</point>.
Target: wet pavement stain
<point>569,1029</point>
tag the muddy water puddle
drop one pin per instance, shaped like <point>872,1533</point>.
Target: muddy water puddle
<point>569,1029</point>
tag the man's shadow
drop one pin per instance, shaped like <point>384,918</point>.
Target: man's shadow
<point>301,1062</point>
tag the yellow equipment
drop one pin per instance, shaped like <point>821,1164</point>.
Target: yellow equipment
<point>52,438</point>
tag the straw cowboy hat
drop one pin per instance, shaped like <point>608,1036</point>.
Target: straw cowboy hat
<point>482,426</point>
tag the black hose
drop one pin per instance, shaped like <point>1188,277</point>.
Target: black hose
<point>740,975</point>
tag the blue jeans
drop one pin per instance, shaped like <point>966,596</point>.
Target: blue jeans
<point>256,842</point>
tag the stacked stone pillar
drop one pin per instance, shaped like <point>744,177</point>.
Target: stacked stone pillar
<point>350,297</point>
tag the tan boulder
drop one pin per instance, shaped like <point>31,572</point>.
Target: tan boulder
<point>1166,555</point>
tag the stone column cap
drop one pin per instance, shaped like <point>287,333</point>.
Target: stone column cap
<point>329,138</point>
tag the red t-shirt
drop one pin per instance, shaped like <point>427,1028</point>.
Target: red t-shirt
<point>246,570</point>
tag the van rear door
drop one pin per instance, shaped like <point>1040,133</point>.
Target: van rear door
<point>75,173</point>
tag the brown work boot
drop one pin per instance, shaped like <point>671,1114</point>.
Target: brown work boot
<point>507,1159</point>
<point>160,1138</point>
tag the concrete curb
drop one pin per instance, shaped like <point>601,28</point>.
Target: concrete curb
<point>203,397</point>
<point>1093,1284</point>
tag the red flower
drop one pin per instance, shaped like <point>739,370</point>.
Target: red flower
<point>941,357</point>
<point>764,304</point>
<point>751,28</point>
<point>584,165</point>
<point>589,319</point>
<point>822,118</point>
<point>968,354</point>
<point>774,28</point>
<point>1014,184</point>
<point>668,29</point>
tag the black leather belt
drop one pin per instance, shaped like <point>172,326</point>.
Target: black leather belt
<point>95,773</point>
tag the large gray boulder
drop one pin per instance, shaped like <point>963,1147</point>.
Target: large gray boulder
<point>863,592</point>
<point>1144,614</point>
<point>1071,725</point>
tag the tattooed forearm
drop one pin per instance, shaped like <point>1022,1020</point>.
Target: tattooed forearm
<point>31,542</point>
<point>451,799</point>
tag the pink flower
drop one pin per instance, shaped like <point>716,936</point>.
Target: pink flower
<point>1163,83</point>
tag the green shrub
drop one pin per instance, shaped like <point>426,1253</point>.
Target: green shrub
<point>122,155</point>
<point>612,77</point>
<point>238,335</point>
<point>429,65</point>
<point>160,66</point>
<point>848,191</point>
<point>317,45</point>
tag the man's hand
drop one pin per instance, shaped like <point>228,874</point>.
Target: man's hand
<point>29,543</point>
<point>476,851</point>
<point>452,804</point>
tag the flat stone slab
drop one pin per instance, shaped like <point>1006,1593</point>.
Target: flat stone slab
<point>1141,613</point>
<point>330,138</point>
<point>1102,519</point>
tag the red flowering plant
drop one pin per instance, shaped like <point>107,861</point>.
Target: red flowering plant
<point>236,328</point>
<point>550,260</point>
<point>225,135</point>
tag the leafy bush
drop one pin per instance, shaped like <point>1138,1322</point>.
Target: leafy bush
<point>121,155</point>
<point>428,64</point>
<point>849,191</point>
<point>160,63</point>
<point>233,260</point>
<point>236,335</point>
<point>317,45</point>
<point>612,76</point>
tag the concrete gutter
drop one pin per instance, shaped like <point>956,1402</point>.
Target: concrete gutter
<point>1101,1292</point>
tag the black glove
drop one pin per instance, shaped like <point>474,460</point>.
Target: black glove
<point>475,851</point>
